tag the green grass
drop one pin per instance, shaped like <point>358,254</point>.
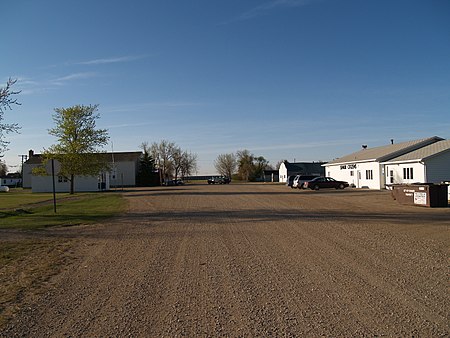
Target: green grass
<point>24,210</point>
<point>17,198</point>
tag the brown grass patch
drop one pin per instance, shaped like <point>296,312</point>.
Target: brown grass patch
<point>26,265</point>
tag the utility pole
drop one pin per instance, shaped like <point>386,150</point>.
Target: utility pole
<point>24,158</point>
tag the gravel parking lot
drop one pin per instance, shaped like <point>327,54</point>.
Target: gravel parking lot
<point>250,260</point>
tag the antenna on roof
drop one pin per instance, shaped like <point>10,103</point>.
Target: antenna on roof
<point>112,152</point>
<point>392,141</point>
<point>364,146</point>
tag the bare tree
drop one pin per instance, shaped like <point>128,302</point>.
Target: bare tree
<point>177,161</point>
<point>6,101</point>
<point>226,164</point>
<point>162,152</point>
<point>172,161</point>
<point>277,166</point>
<point>188,164</point>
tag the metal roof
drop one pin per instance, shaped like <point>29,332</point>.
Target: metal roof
<point>385,153</point>
<point>425,152</point>
<point>118,157</point>
<point>303,166</point>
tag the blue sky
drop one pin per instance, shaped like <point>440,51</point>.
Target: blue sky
<point>287,79</point>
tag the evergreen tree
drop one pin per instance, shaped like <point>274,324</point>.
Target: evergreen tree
<point>146,174</point>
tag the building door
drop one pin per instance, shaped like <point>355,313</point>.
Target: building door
<point>358,178</point>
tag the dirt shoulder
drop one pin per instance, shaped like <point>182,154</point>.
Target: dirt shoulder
<point>249,260</point>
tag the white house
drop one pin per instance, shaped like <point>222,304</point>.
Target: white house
<point>123,172</point>
<point>81,183</point>
<point>366,168</point>
<point>124,168</point>
<point>430,164</point>
<point>306,168</point>
<point>11,181</point>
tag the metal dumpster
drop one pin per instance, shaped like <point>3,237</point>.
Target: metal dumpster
<point>425,195</point>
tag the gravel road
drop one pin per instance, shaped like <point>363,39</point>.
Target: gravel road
<point>251,260</point>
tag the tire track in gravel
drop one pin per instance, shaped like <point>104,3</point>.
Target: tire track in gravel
<point>251,260</point>
<point>349,279</point>
<point>335,246</point>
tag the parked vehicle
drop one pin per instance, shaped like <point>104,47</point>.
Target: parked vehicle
<point>290,181</point>
<point>219,180</point>
<point>299,180</point>
<point>325,182</point>
<point>174,182</point>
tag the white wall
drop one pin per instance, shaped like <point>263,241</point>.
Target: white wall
<point>123,174</point>
<point>82,184</point>
<point>27,168</point>
<point>282,173</point>
<point>355,174</point>
<point>397,168</point>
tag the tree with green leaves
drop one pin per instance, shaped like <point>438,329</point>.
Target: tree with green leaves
<point>260,165</point>
<point>79,142</point>
<point>245,164</point>
<point>6,101</point>
<point>250,167</point>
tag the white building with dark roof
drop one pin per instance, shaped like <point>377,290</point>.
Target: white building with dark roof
<point>299,168</point>
<point>430,164</point>
<point>122,173</point>
<point>366,168</point>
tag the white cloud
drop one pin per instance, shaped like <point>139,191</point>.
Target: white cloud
<point>75,76</point>
<point>111,60</point>
<point>129,125</point>
<point>265,8</point>
<point>29,86</point>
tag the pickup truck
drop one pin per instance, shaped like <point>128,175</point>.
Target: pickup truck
<point>219,180</point>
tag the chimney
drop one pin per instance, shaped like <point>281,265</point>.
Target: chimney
<point>30,153</point>
<point>392,141</point>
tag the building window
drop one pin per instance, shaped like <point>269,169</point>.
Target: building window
<point>369,174</point>
<point>408,174</point>
<point>62,179</point>
<point>351,172</point>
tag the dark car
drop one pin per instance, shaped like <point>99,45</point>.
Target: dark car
<point>219,180</point>
<point>173,182</point>
<point>300,180</point>
<point>325,182</point>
